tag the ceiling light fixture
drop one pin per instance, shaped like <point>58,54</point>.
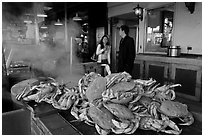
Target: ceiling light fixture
<point>27,20</point>
<point>43,26</point>
<point>77,18</point>
<point>41,15</point>
<point>139,12</point>
<point>58,23</point>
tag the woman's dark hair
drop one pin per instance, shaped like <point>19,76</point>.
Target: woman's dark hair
<point>101,42</point>
<point>125,28</point>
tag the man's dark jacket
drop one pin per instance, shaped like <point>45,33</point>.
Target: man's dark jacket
<point>126,55</point>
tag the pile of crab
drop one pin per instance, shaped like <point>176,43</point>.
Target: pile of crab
<point>119,104</point>
<point>50,91</point>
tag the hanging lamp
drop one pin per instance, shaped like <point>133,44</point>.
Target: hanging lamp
<point>42,15</point>
<point>27,20</point>
<point>43,26</point>
<point>77,18</point>
<point>58,23</point>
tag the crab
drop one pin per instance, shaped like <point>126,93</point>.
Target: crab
<point>143,107</point>
<point>150,123</point>
<point>39,92</point>
<point>174,109</point>
<point>161,93</point>
<point>116,103</point>
<point>145,82</point>
<point>144,87</point>
<point>119,93</point>
<point>85,81</point>
<point>169,108</point>
<point>93,110</point>
<point>59,96</point>
<point>66,99</point>
<point>116,78</point>
<point>148,107</point>
<point>165,92</point>
<point>103,119</point>
<point>126,121</point>
<point>95,90</point>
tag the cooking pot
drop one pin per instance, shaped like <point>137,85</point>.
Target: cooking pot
<point>173,51</point>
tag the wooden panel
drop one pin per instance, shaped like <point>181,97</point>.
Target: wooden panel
<point>187,78</point>
<point>157,73</point>
<point>136,71</point>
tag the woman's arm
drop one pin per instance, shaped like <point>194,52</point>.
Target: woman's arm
<point>99,50</point>
<point>109,52</point>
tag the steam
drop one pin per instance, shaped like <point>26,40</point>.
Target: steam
<point>54,60</point>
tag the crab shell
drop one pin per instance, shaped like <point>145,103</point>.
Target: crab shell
<point>173,109</point>
<point>123,86</point>
<point>118,93</point>
<point>102,117</point>
<point>145,101</point>
<point>123,99</point>
<point>119,110</point>
<point>95,89</point>
<point>88,78</point>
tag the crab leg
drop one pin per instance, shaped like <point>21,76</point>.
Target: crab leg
<point>130,128</point>
<point>120,124</point>
<point>31,97</point>
<point>173,95</point>
<point>135,127</point>
<point>74,112</point>
<point>29,91</point>
<point>135,124</point>
<point>19,96</point>
<point>175,85</point>
<point>172,125</point>
<point>101,131</point>
<point>136,99</point>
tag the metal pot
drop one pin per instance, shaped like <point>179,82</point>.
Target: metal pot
<point>173,51</point>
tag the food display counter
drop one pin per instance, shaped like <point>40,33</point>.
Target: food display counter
<point>48,120</point>
<point>63,123</point>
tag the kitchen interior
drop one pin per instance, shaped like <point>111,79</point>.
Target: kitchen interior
<point>54,41</point>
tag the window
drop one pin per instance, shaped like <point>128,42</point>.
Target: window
<point>159,29</point>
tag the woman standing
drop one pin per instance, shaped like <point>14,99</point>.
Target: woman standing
<point>103,50</point>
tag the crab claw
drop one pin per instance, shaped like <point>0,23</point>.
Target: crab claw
<point>187,119</point>
<point>172,94</point>
<point>175,130</point>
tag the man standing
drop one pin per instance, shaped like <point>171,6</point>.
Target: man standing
<point>126,51</point>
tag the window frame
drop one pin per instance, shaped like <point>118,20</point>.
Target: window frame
<point>154,50</point>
